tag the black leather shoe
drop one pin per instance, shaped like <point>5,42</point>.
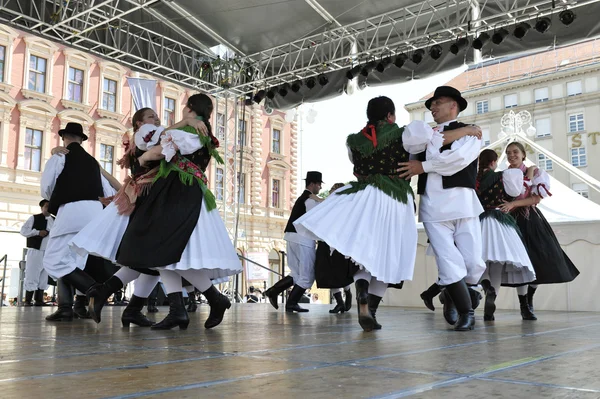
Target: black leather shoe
<point>219,304</point>
<point>348,300</point>
<point>365,319</point>
<point>374,301</point>
<point>340,306</point>
<point>450,312</point>
<point>98,294</point>
<point>428,295</point>
<point>272,293</point>
<point>475,297</point>
<point>489,308</point>
<point>61,315</point>
<point>79,308</point>
<point>466,321</point>
<point>526,312</point>
<point>152,306</point>
<point>133,313</point>
<point>294,298</point>
<point>177,316</point>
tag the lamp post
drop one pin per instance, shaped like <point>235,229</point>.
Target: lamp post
<point>513,123</point>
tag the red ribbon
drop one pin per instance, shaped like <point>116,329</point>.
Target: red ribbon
<point>370,132</point>
<point>542,185</point>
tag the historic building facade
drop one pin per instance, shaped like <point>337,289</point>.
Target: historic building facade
<point>560,88</point>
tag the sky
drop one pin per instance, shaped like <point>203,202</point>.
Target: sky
<point>322,144</point>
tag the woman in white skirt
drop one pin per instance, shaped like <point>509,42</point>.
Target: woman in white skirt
<point>503,251</point>
<point>372,220</point>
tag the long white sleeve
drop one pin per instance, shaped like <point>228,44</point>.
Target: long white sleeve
<point>310,204</point>
<point>541,183</point>
<point>513,182</point>
<point>52,170</point>
<point>27,229</point>
<point>416,136</point>
<point>463,151</point>
<point>147,136</point>
<point>109,191</point>
<point>178,140</point>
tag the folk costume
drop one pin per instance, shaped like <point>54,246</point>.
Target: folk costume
<point>36,278</point>
<point>371,221</point>
<point>503,251</point>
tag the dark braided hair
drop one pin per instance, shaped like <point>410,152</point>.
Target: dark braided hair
<point>485,160</point>
<point>379,108</point>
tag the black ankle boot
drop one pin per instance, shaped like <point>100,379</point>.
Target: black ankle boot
<point>62,314</point>
<point>365,319</point>
<point>28,298</point>
<point>530,293</point>
<point>219,303</point>
<point>152,305</point>
<point>450,312</point>
<point>38,297</point>
<point>526,312</point>
<point>348,301</point>
<point>133,313</point>
<point>80,309</point>
<point>192,305</point>
<point>428,295</point>
<point>374,301</point>
<point>98,294</point>
<point>272,293</point>
<point>490,304</point>
<point>65,302</point>
<point>459,293</point>
<point>340,306</point>
<point>475,298</point>
<point>177,314</point>
<point>294,298</point>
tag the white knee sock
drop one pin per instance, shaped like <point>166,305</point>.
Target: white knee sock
<point>495,274</point>
<point>171,281</point>
<point>377,287</point>
<point>522,290</point>
<point>347,288</point>
<point>144,285</point>
<point>200,278</point>
<point>335,290</point>
<point>127,275</point>
<point>362,275</point>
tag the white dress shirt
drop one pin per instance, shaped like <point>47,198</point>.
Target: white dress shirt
<point>27,230</point>
<point>300,239</point>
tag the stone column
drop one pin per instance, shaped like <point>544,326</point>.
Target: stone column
<point>257,153</point>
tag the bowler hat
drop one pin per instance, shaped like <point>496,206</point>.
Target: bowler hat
<point>73,128</point>
<point>314,177</point>
<point>448,91</point>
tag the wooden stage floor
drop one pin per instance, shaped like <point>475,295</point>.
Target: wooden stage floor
<point>259,352</point>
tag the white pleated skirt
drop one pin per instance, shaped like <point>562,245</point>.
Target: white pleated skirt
<point>502,247</point>
<point>376,231</point>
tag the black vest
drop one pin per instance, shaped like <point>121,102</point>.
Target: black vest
<point>464,178</point>
<point>298,210</point>
<point>39,223</point>
<point>79,181</point>
<point>491,191</point>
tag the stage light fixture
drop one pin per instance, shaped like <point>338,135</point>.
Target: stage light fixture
<point>499,36</point>
<point>296,86</point>
<point>311,82</point>
<point>248,99</point>
<point>283,89</point>
<point>459,45</point>
<point>271,93</point>
<point>521,30</point>
<point>567,17</point>
<point>384,64</point>
<point>323,80</point>
<point>259,96</point>
<point>400,60</point>
<point>542,24</point>
<point>436,51</point>
<point>353,72</point>
<point>417,56</point>
<point>481,41</point>
<point>367,68</point>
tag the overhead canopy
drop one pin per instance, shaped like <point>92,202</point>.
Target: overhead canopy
<point>273,42</point>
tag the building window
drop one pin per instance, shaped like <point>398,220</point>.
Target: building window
<point>576,123</point>
<point>276,141</point>
<point>75,85</point>
<point>544,162</point>
<point>242,133</point>
<point>574,88</point>
<point>169,112</point>
<point>578,157</point>
<point>106,157</point>
<point>541,95</point>
<point>542,127</point>
<point>427,117</point>
<point>109,95</point>
<point>219,183</point>
<point>242,187</point>
<point>581,189</point>
<point>37,74</point>
<point>220,126</point>
<point>275,192</point>
<point>485,137</point>
<point>2,60</point>
<point>482,107</point>
<point>33,149</point>
<point>510,101</point>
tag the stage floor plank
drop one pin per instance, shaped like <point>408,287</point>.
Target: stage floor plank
<point>258,352</point>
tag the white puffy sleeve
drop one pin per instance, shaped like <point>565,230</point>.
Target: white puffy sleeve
<point>52,170</point>
<point>148,136</point>
<point>108,190</point>
<point>27,229</point>
<point>416,136</point>
<point>513,182</point>
<point>460,155</point>
<point>350,154</point>
<point>178,140</point>
<point>310,204</point>
<point>541,183</point>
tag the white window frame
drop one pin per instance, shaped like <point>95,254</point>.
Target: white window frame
<point>277,123</point>
<point>171,111</point>
<point>485,137</point>
<point>43,49</point>
<point>220,127</point>
<point>485,107</point>
<point>112,71</point>
<point>171,91</point>
<point>7,39</point>
<point>222,184</point>
<point>40,148</point>
<point>510,96</point>
<point>246,133</point>
<point>242,184</point>
<point>34,114</point>
<point>581,153</point>
<point>576,115</point>
<point>581,189</point>
<point>110,132</point>
<point>541,94</point>
<point>544,162</point>
<point>279,193</point>
<point>78,60</point>
<point>574,88</point>
<point>538,133</point>
<point>103,161</point>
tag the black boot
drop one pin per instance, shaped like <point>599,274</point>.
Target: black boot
<point>280,286</point>
<point>428,295</point>
<point>475,298</point>
<point>459,293</point>
<point>490,303</point>
<point>373,305</point>
<point>450,312</point>
<point>65,302</point>
<point>99,294</point>
<point>294,298</point>
<point>526,312</point>
<point>365,319</point>
<point>38,297</point>
<point>80,308</point>
<point>28,298</point>
<point>177,314</point>
<point>348,301</point>
<point>341,306</point>
<point>219,303</point>
<point>152,305</point>
<point>192,305</point>
<point>133,313</point>
<point>530,293</point>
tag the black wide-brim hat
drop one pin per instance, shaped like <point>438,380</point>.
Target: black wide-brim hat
<point>314,177</point>
<point>448,91</point>
<point>73,128</point>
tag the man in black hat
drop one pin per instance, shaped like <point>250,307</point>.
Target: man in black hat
<point>301,251</point>
<point>449,207</point>
<point>36,230</point>
<point>72,183</point>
